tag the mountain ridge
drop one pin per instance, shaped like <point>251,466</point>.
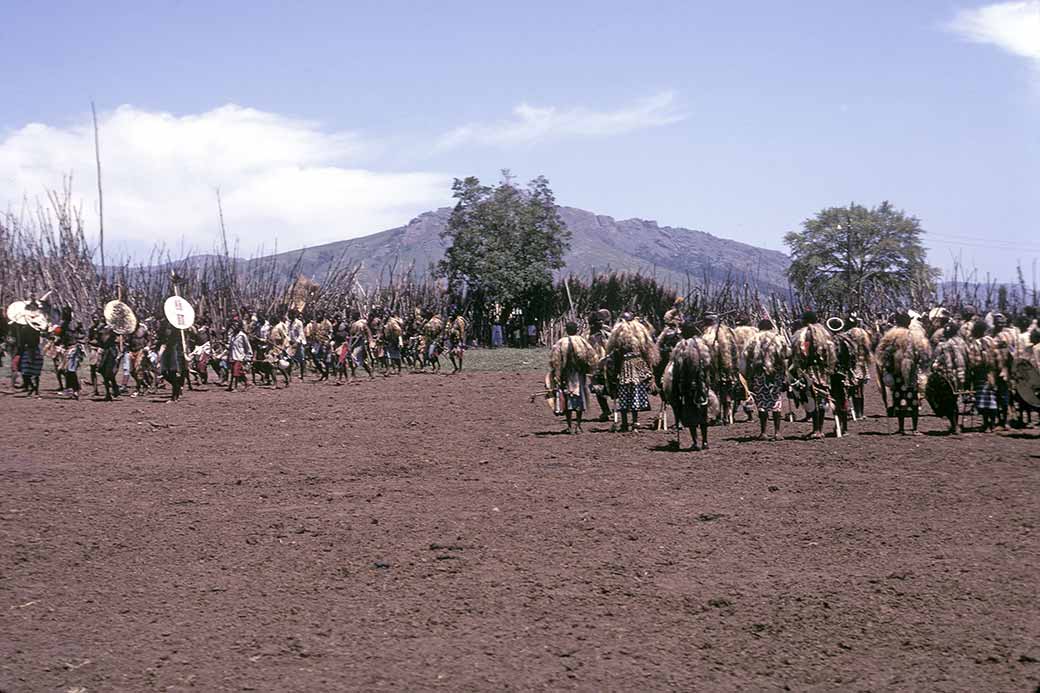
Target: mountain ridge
<point>599,243</point>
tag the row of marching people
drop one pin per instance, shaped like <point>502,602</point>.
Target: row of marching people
<point>705,370</point>
<point>127,356</point>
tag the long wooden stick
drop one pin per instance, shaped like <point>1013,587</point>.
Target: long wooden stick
<point>101,205</point>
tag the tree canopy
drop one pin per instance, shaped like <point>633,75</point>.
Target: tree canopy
<point>506,240</point>
<point>853,256</point>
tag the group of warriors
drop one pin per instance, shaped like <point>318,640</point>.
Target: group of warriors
<point>151,354</point>
<point>963,365</point>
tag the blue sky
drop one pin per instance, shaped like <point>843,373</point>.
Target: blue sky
<point>324,120</point>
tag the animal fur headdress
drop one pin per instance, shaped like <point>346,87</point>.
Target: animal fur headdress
<point>631,336</point>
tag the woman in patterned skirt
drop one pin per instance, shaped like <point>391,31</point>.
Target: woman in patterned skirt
<point>902,353</point>
<point>30,362</point>
<point>766,356</point>
<point>634,354</point>
<point>570,360</point>
<point>982,369</point>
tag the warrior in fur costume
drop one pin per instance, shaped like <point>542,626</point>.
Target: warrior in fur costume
<point>948,377</point>
<point>902,356</point>
<point>319,335</point>
<point>171,358</point>
<point>666,342</point>
<point>843,380</point>
<point>599,335</point>
<point>725,362</point>
<point>455,341</point>
<point>108,361</point>
<point>983,364</point>
<point>29,347</point>
<point>94,349</point>
<point>376,346</point>
<point>393,335</point>
<point>743,333</point>
<point>814,359</point>
<point>360,344</point>
<point>1005,338</point>
<point>70,335</point>
<point>688,383</point>
<point>571,359</point>
<point>277,340</point>
<point>1026,326</point>
<point>633,356</point>
<point>861,342</point>
<point>432,333</point>
<point>766,357</point>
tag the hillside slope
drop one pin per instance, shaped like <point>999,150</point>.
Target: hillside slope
<point>598,243</point>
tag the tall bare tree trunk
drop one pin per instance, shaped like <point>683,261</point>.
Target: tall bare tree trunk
<point>101,205</point>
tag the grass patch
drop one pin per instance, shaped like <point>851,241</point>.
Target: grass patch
<point>505,359</point>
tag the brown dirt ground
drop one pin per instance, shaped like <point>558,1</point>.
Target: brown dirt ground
<point>434,532</point>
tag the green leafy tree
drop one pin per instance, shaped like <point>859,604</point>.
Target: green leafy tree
<point>854,257</point>
<point>506,241</point>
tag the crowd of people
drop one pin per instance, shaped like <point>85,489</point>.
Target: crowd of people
<point>963,365</point>
<point>245,351</point>
<point>706,369</point>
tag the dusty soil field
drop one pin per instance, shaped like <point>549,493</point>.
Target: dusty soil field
<point>434,532</point>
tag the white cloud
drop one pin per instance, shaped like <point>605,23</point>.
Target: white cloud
<point>1012,26</point>
<point>280,178</point>
<point>534,123</point>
